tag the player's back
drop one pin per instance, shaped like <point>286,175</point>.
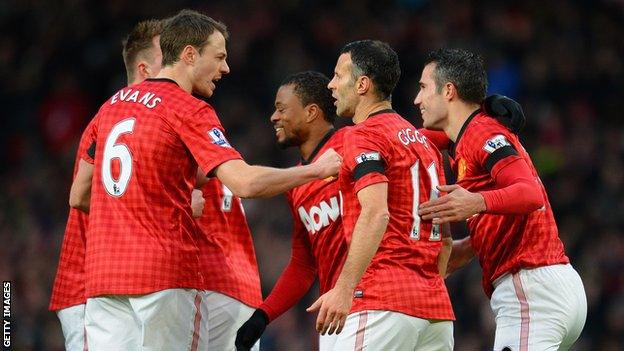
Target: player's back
<point>503,243</point>
<point>227,252</point>
<point>141,234</point>
<point>403,275</point>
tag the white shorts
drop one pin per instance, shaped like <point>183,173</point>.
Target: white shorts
<point>225,316</point>
<point>73,325</point>
<point>541,309</point>
<point>388,331</point>
<point>171,319</point>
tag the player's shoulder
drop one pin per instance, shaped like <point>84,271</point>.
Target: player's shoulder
<point>485,133</point>
<point>338,137</point>
<point>484,124</point>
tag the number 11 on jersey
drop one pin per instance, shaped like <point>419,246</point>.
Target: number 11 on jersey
<point>433,194</point>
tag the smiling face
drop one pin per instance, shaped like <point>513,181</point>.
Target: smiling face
<point>342,86</point>
<point>430,100</point>
<point>289,117</point>
<point>210,65</point>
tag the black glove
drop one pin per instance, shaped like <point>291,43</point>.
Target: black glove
<point>251,330</point>
<point>507,111</point>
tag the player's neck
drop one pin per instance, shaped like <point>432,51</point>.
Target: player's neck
<point>313,140</point>
<point>363,110</point>
<point>176,74</point>
<point>458,114</point>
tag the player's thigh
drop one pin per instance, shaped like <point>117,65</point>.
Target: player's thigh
<point>560,305</point>
<point>380,331</point>
<point>539,309</point>
<point>110,324</point>
<point>225,316</point>
<point>73,325</point>
<point>438,336</point>
<point>171,319</point>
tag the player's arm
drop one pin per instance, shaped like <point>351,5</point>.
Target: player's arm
<point>517,190</point>
<point>371,224</point>
<point>446,250</point>
<point>248,181</point>
<point>293,284</point>
<point>80,193</point>
<point>461,254</point>
<point>517,193</point>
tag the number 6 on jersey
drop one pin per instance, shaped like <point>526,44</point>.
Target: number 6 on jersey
<point>120,151</point>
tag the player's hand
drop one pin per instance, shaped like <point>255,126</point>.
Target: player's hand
<point>197,203</point>
<point>249,333</point>
<point>457,205</point>
<point>333,307</point>
<point>507,111</point>
<point>328,164</point>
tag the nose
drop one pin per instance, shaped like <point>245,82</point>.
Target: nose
<point>331,85</point>
<point>417,99</point>
<point>225,69</point>
<point>274,117</point>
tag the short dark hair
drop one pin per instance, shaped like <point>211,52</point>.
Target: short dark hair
<point>462,68</point>
<point>311,88</point>
<point>137,41</point>
<point>376,60</point>
<point>187,28</point>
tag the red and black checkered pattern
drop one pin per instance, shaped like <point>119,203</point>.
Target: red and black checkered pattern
<point>503,243</point>
<point>69,283</point>
<point>403,275</point>
<point>144,239</point>
<point>227,253</point>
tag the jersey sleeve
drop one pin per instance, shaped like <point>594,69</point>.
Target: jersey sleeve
<point>491,147</point>
<point>364,157</point>
<point>86,147</point>
<point>204,136</point>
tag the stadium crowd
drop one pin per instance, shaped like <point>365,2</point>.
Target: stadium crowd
<point>559,59</point>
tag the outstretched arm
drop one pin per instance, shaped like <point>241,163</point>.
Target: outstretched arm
<point>248,181</point>
<point>517,192</point>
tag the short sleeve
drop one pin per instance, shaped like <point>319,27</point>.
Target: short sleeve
<point>86,147</point>
<point>364,157</point>
<point>204,136</point>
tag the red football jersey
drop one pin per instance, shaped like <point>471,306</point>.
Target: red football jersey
<point>226,248</point>
<point>503,243</point>
<point>69,283</point>
<point>316,207</point>
<point>403,275</point>
<point>142,237</point>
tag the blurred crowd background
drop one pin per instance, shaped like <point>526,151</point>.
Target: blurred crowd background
<point>561,59</point>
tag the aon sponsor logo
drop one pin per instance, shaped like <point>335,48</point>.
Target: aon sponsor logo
<point>321,215</point>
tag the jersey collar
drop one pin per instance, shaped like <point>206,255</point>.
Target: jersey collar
<point>318,147</point>
<point>167,80</point>
<point>461,132</point>
<point>381,112</point>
